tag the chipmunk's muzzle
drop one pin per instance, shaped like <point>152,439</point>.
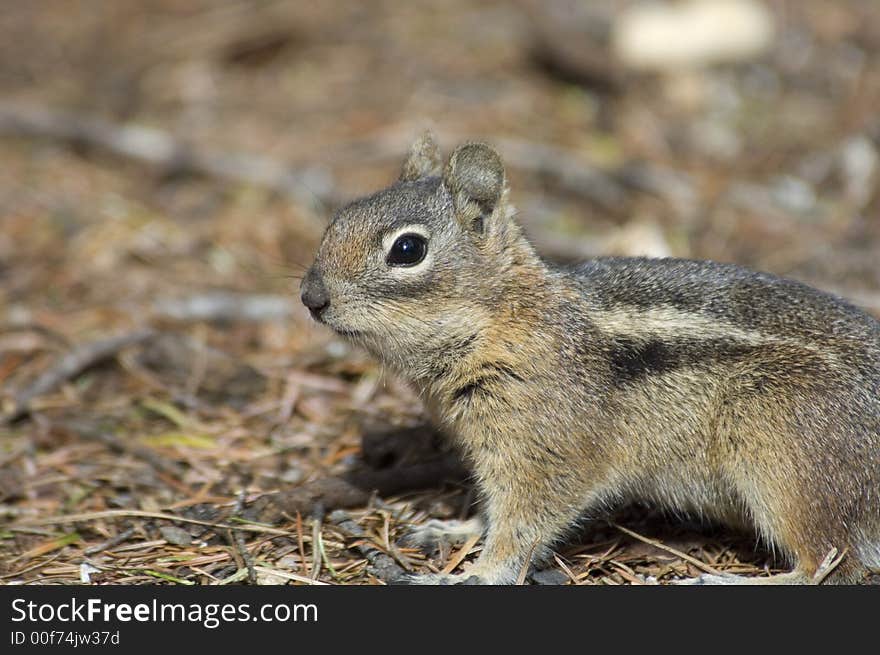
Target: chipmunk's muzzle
<point>314,294</point>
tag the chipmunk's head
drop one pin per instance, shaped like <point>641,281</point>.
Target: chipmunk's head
<point>413,267</point>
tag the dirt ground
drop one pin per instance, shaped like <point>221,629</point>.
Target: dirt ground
<point>170,413</point>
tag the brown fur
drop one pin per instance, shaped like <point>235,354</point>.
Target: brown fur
<point>702,387</point>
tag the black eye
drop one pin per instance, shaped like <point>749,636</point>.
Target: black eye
<point>407,250</point>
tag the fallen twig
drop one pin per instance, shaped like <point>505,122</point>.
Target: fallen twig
<point>123,536</point>
<point>831,561</point>
<point>143,514</point>
<point>225,306</point>
<point>379,564</point>
<point>524,569</point>
<point>238,542</point>
<point>288,575</point>
<point>36,565</point>
<point>158,148</point>
<point>669,549</point>
<point>463,552</point>
<point>317,521</point>
<point>70,365</point>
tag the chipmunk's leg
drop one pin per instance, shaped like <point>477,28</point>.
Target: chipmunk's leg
<point>431,534</point>
<point>523,523</point>
<point>524,514</point>
<point>834,569</point>
<point>507,551</point>
<point>800,534</point>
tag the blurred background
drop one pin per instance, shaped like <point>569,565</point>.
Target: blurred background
<point>171,164</point>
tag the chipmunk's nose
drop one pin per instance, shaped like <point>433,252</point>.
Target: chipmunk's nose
<point>314,294</point>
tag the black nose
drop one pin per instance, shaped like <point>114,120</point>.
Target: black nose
<point>314,294</point>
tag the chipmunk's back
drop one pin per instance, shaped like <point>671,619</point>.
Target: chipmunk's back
<point>745,300</point>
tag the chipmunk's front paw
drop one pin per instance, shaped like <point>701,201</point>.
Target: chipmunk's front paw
<point>429,536</point>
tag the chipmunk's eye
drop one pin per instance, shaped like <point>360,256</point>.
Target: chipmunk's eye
<point>407,250</point>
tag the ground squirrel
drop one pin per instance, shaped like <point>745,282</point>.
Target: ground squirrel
<point>701,387</point>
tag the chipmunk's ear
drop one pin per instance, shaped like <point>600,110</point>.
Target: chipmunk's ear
<point>423,159</point>
<point>475,177</point>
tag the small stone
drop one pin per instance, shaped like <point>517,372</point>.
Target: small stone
<point>293,475</point>
<point>289,563</point>
<point>267,578</point>
<point>639,238</point>
<point>860,164</point>
<point>176,536</point>
<point>793,195</point>
<point>549,577</point>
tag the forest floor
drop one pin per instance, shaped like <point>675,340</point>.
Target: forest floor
<point>170,413</point>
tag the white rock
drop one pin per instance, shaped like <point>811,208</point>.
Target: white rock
<point>860,164</point>
<point>85,572</point>
<point>793,195</point>
<point>267,578</point>
<point>692,33</point>
<point>639,238</point>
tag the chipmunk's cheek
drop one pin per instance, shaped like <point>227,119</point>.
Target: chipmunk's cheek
<point>345,318</point>
<point>333,317</point>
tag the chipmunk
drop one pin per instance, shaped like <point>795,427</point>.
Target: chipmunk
<point>701,387</point>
